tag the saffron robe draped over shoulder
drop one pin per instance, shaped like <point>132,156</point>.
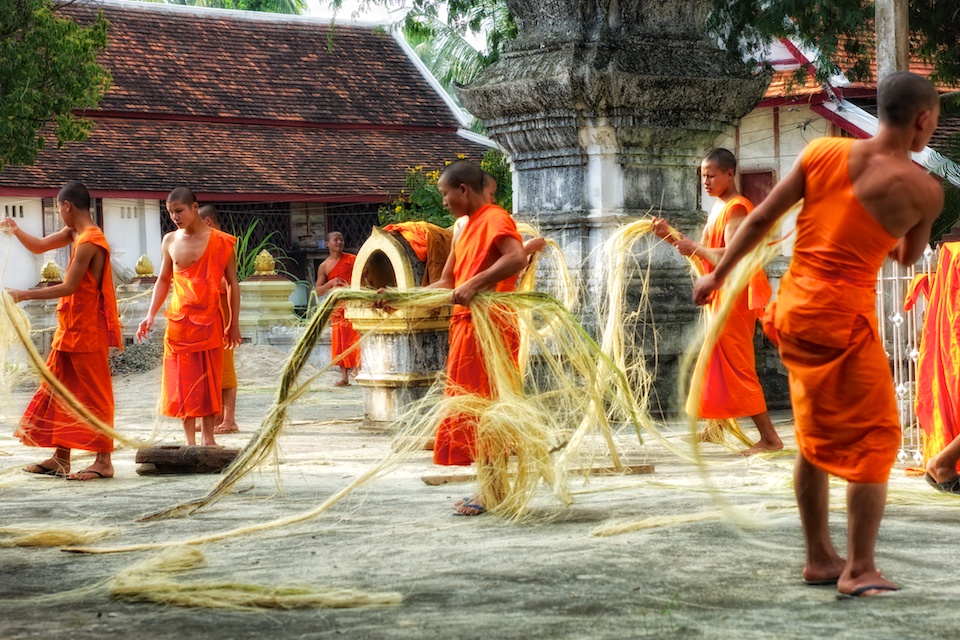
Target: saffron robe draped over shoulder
<point>938,367</point>
<point>430,242</point>
<point>731,388</point>
<point>87,326</point>
<point>343,335</point>
<point>825,319</point>
<point>193,343</point>
<point>466,368</point>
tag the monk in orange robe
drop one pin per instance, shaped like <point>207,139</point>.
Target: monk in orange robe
<point>336,271</point>
<point>195,260</point>
<point>227,420</point>
<point>87,326</point>
<point>863,200</point>
<point>938,369</point>
<point>487,255</point>
<point>731,387</point>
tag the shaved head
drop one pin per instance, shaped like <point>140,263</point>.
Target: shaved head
<point>463,172</point>
<point>209,212</point>
<point>76,194</point>
<point>723,159</point>
<point>902,95</point>
<point>183,195</point>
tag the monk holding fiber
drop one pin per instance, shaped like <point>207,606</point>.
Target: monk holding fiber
<point>87,326</point>
<point>731,388</point>
<point>487,255</point>
<point>334,272</point>
<point>227,421</point>
<point>195,260</point>
<point>863,200</point>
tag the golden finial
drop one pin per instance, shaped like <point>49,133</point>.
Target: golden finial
<point>144,267</point>
<point>51,272</point>
<point>264,264</point>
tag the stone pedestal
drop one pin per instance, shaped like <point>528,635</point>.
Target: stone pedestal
<point>408,349</point>
<point>264,307</point>
<point>133,302</point>
<point>606,111</point>
<point>43,322</point>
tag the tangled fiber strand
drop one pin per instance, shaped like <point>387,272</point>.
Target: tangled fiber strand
<point>739,278</point>
<point>152,581</point>
<point>529,417</point>
<point>14,321</point>
<point>54,536</point>
<point>654,522</point>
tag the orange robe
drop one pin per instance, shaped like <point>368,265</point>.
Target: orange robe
<point>825,318</point>
<point>430,242</point>
<point>466,370</point>
<point>193,343</point>
<point>938,367</point>
<point>87,326</point>
<point>229,378</point>
<point>731,388</point>
<point>342,334</point>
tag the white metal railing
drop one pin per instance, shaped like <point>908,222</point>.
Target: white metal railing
<point>900,332</point>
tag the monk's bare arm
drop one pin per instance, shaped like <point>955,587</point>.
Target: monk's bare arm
<point>324,285</point>
<point>83,258</point>
<point>33,244</point>
<point>752,230</point>
<point>512,260</point>
<point>160,288</point>
<point>231,333</point>
<point>929,202</point>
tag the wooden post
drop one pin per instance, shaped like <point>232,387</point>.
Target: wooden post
<point>893,37</point>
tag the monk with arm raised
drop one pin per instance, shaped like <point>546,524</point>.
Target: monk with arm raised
<point>863,200</point>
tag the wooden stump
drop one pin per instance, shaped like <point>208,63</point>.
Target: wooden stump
<point>175,459</point>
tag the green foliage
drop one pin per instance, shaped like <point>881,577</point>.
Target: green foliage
<point>49,70</point>
<point>420,198</point>
<point>247,250</point>
<point>837,29</point>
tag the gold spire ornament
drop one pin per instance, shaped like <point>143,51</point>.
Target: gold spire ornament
<point>264,264</point>
<point>51,273</point>
<point>144,267</point>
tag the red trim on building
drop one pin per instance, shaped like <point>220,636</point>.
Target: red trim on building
<point>378,198</point>
<point>835,118</point>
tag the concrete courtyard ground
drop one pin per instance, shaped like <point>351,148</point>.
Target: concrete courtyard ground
<point>461,577</point>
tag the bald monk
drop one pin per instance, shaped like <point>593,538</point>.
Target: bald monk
<point>332,273</point>
<point>863,200</point>
<point>195,260</point>
<point>87,326</point>
<point>487,253</point>
<point>731,388</point>
<point>227,422</point>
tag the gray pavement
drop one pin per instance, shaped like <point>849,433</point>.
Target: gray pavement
<point>464,577</point>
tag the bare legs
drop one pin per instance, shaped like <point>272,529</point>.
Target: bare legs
<point>207,424</point>
<point>865,503</point>
<point>59,465</point>
<point>229,422</point>
<point>769,440</point>
<point>492,476</point>
<point>943,466</point>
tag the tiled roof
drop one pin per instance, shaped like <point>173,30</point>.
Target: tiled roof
<point>319,164</point>
<point>212,63</point>
<point>253,107</point>
<point>784,85</point>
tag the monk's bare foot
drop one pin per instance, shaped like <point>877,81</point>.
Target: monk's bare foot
<point>940,471</point>
<point>342,383</point>
<point>469,507</point>
<point>763,446</point>
<point>227,427</point>
<point>49,467</point>
<point>92,473</point>
<point>826,573</point>
<point>865,585</point>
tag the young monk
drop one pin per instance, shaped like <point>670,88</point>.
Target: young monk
<point>87,326</point>
<point>334,272</point>
<point>227,422</point>
<point>863,200</point>
<point>196,258</point>
<point>731,388</point>
<point>487,252</point>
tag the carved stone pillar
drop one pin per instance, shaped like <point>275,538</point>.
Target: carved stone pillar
<point>606,109</point>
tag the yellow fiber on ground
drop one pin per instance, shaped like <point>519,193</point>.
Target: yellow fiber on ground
<point>54,536</point>
<point>152,581</point>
